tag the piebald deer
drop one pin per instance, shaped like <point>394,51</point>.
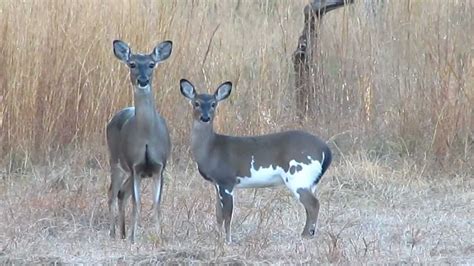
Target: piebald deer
<point>294,158</point>
<point>138,139</point>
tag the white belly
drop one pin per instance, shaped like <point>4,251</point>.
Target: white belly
<point>261,177</point>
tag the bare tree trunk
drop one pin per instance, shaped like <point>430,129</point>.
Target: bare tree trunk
<point>303,56</point>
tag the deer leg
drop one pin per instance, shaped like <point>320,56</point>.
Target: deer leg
<point>116,179</point>
<point>311,205</point>
<point>219,211</point>
<point>123,196</point>
<point>227,200</point>
<point>136,204</point>
<point>157,189</point>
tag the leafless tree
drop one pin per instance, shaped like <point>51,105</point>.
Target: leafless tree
<point>303,56</point>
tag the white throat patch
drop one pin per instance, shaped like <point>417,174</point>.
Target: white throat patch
<point>146,88</point>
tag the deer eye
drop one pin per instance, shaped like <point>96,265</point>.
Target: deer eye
<point>196,104</point>
<point>152,65</point>
<point>213,105</point>
<point>132,65</point>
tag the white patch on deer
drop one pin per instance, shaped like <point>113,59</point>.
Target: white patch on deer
<point>303,176</point>
<point>219,195</point>
<point>261,177</point>
<point>158,191</point>
<point>313,188</point>
<point>219,192</point>
<point>145,89</point>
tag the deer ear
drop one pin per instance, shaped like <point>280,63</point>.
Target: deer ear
<point>162,51</point>
<point>121,50</point>
<point>187,89</point>
<point>223,91</point>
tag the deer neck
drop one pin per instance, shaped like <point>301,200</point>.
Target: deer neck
<point>202,141</point>
<point>145,113</point>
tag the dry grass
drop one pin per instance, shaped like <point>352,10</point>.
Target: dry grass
<point>371,213</point>
<point>399,78</point>
<point>396,101</point>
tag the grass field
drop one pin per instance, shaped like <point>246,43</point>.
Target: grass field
<point>395,103</point>
<point>371,212</point>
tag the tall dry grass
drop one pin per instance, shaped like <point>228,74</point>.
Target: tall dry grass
<point>397,87</point>
<point>395,77</point>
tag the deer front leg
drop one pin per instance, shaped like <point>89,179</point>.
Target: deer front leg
<point>157,191</point>
<point>227,200</point>
<point>219,213</point>
<point>136,200</point>
<point>116,179</point>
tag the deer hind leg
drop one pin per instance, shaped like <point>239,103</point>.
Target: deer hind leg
<point>227,200</point>
<point>116,179</point>
<point>311,205</point>
<point>157,191</point>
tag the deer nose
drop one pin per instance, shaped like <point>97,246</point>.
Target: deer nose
<point>142,81</point>
<point>205,119</point>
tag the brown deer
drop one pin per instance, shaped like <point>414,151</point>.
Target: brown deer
<point>138,139</point>
<point>293,158</point>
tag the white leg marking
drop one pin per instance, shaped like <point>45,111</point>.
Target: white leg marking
<point>136,188</point>
<point>219,194</point>
<point>158,189</point>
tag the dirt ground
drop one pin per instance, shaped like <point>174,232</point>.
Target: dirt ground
<point>371,212</point>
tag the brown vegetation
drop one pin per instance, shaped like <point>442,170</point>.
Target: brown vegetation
<point>395,97</point>
<point>370,213</point>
